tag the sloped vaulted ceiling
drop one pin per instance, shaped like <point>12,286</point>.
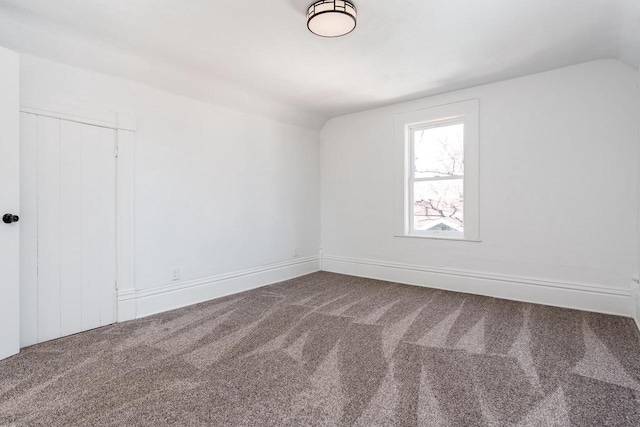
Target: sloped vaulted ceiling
<point>257,55</point>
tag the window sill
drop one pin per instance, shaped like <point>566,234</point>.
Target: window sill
<point>455,239</point>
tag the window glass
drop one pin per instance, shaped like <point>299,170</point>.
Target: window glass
<point>438,205</point>
<point>438,151</point>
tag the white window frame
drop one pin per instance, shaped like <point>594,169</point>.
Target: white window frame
<point>406,124</point>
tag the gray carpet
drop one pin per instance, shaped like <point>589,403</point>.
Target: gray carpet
<point>331,350</point>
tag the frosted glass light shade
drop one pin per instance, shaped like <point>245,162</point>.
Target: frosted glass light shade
<point>331,18</point>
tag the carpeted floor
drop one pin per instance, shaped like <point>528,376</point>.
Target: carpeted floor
<point>327,349</point>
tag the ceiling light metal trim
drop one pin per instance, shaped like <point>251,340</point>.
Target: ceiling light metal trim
<point>342,7</point>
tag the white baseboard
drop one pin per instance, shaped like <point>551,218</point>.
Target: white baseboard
<point>579,296</point>
<point>126,304</point>
<point>134,304</point>
<point>635,301</point>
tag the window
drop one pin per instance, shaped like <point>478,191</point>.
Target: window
<point>437,172</point>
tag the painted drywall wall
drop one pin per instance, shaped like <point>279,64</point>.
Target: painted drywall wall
<point>558,181</point>
<point>216,191</point>
<point>635,294</point>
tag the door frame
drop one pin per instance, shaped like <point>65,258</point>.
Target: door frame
<point>125,126</point>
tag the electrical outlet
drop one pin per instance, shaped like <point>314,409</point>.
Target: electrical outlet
<point>175,274</point>
<point>295,252</point>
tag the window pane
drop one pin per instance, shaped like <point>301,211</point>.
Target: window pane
<point>438,205</point>
<point>438,151</point>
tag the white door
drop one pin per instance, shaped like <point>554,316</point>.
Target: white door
<point>68,253</point>
<point>9,204</point>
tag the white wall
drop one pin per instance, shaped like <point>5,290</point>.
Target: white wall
<point>216,191</point>
<point>558,181</point>
<point>636,282</point>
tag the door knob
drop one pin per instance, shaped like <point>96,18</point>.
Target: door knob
<point>9,218</point>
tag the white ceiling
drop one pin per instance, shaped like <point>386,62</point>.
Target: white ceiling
<point>258,56</point>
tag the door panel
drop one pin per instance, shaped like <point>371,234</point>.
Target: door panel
<point>28,231</point>
<point>75,241</point>
<point>9,203</point>
<point>71,229</point>
<point>48,194</point>
<point>107,226</point>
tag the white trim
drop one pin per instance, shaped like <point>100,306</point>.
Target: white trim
<point>589,297</point>
<point>466,112</point>
<point>453,239</point>
<point>134,304</point>
<point>109,119</point>
<point>125,206</point>
<point>126,304</point>
<point>635,301</point>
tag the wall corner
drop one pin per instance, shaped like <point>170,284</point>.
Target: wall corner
<point>635,301</point>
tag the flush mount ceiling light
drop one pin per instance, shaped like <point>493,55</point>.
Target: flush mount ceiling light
<point>331,18</point>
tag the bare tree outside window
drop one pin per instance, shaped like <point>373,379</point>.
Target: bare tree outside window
<point>438,178</point>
